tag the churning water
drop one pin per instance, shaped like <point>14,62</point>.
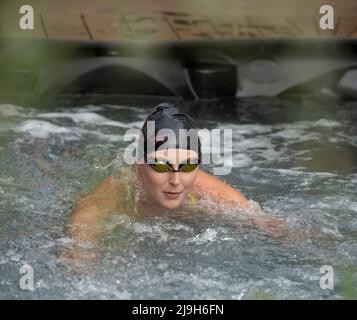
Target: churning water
<point>297,157</point>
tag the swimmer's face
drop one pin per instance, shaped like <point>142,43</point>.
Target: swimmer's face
<point>168,189</point>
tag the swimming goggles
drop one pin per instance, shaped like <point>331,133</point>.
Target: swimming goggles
<point>161,166</point>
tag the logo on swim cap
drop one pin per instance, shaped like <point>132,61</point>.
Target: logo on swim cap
<point>158,138</point>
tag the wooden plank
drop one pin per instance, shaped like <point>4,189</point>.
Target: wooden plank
<point>237,26</point>
<point>273,26</point>
<point>188,26</point>
<point>347,27</point>
<point>116,20</point>
<point>305,25</point>
<point>149,26</point>
<point>108,27</point>
<point>73,28</point>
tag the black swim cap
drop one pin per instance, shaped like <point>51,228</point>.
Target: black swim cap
<point>167,120</point>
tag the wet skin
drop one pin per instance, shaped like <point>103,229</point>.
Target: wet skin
<point>163,192</point>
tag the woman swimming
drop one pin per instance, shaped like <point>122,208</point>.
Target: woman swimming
<point>166,179</point>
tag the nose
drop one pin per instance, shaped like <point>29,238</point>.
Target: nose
<point>174,178</point>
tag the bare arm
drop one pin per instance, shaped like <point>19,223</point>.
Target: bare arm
<point>85,219</point>
<point>218,190</point>
<point>228,197</point>
<point>100,202</point>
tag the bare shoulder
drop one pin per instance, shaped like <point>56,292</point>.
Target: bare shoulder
<point>106,194</point>
<point>216,187</point>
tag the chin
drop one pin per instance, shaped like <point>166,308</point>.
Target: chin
<point>171,204</point>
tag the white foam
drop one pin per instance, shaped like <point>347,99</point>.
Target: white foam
<point>244,129</point>
<point>289,131</point>
<point>260,146</point>
<point>327,123</point>
<point>10,110</point>
<point>241,160</point>
<point>294,172</point>
<point>100,135</point>
<point>86,117</point>
<point>254,143</point>
<point>290,172</point>
<point>308,124</point>
<point>131,108</point>
<point>207,236</point>
<point>42,129</point>
<point>88,108</point>
<point>353,206</point>
<point>294,134</point>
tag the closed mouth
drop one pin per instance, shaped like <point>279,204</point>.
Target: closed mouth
<point>172,194</point>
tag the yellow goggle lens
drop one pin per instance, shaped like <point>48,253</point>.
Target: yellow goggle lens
<point>165,167</point>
